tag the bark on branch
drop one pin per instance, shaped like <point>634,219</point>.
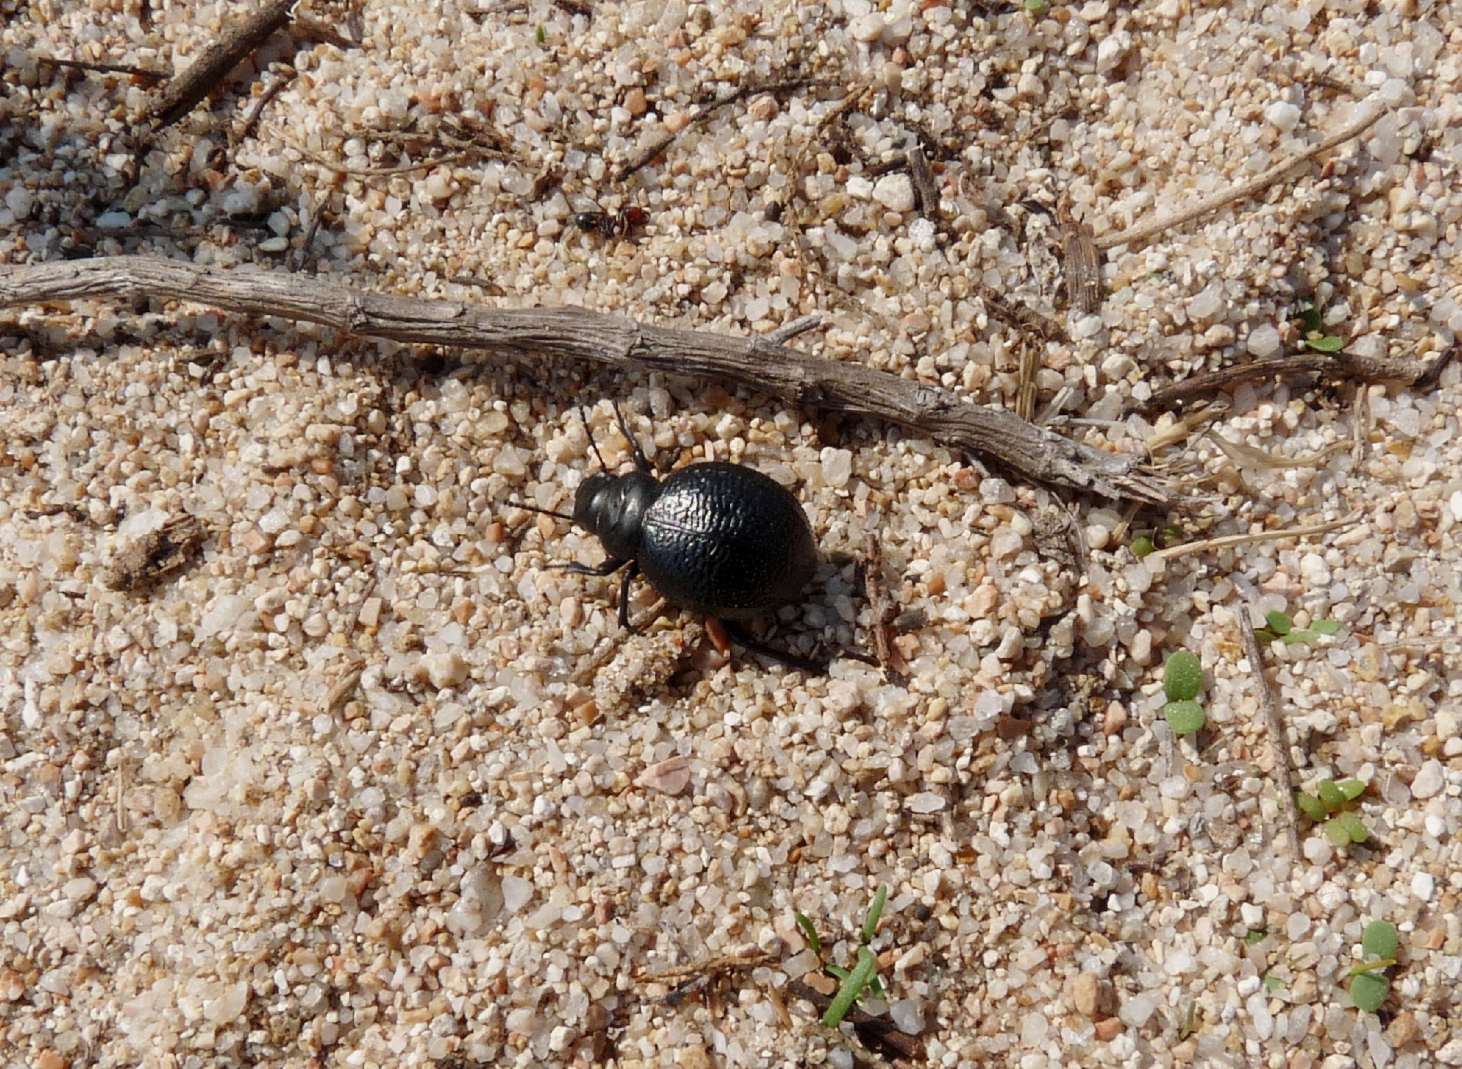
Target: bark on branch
<point>569,333</point>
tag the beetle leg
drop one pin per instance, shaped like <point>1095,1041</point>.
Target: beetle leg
<point>642,463</point>
<point>629,576</point>
<point>744,638</point>
<point>609,566</point>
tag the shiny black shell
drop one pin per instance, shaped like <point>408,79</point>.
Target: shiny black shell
<point>726,540</point>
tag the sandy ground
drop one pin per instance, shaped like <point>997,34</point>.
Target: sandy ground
<point>362,783</point>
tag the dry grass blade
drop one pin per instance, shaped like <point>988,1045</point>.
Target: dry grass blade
<point>1248,456</point>
<point>1188,549</point>
<point>1278,733</point>
<point>1081,264</point>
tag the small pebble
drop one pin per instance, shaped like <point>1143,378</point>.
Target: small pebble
<point>1429,780</point>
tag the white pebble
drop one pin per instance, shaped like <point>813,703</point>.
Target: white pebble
<point>1262,341</point>
<point>895,192</point>
<point>1423,886</point>
<point>867,28</point>
<point>1136,1011</point>
<point>837,466</point>
<point>1455,504</point>
<point>19,200</point>
<point>445,668</point>
<point>1314,569</point>
<point>1207,303</point>
<point>1428,781</point>
<point>908,1015</point>
<point>926,802</point>
<point>516,893</point>
<point>1282,115</point>
<point>668,777</point>
<point>113,220</point>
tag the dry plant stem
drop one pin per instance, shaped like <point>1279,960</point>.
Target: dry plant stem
<point>580,335</point>
<point>145,73</point>
<point>1278,733</point>
<point>1244,190</point>
<point>1187,549</point>
<point>251,121</point>
<point>1341,366</point>
<point>238,40</point>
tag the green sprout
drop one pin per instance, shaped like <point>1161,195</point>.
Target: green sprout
<point>863,976</point>
<point>542,35</point>
<point>1315,337</point>
<point>1327,806</point>
<point>1142,546</point>
<point>1182,682</point>
<point>1368,983</point>
<point>1037,7</point>
<point>1280,628</point>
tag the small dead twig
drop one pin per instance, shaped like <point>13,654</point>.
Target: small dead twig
<point>1342,366</point>
<point>238,39</point>
<point>656,148</point>
<point>251,121</point>
<point>884,609</point>
<point>1188,549</point>
<point>787,331</point>
<point>1019,316</point>
<point>1244,190</point>
<point>576,334</point>
<point>1030,367</point>
<point>923,179</point>
<point>1278,733</point>
<point>148,74</point>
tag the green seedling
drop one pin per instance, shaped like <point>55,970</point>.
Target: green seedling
<point>862,978</point>
<point>1280,628</point>
<point>1182,682</point>
<point>1142,546</point>
<point>1327,806</point>
<point>1368,983</point>
<point>1315,337</point>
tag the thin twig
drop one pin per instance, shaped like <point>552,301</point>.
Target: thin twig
<point>923,179</point>
<point>1187,549</point>
<point>375,172</point>
<point>787,331</point>
<point>1278,733</point>
<point>251,121</point>
<point>1244,190</point>
<point>579,335</point>
<point>238,39</point>
<point>656,148</point>
<point>148,73</point>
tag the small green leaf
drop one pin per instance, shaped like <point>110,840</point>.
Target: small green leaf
<point>1330,795</point>
<point>1185,717</point>
<point>1351,789</point>
<point>876,986</point>
<point>1371,965</point>
<point>1278,622</point>
<point>1142,546</point>
<point>1036,7</point>
<point>1182,677</point>
<point>1296,638</point>
<point>1263,634</point>
<point>1380,940</point>
<point>1325,627</point>
<point>852,986</point>
<point>542,35</point>
<point>875,911</point>
<point>1354,829</point>
<point>1368,991</point>
<point>1311,806</point>
<point>1324,343</point>
<point>808,931</point>
<point>837,972</point>
<point>1336,832</point>
<point>1171,535</point>
<point>1254,935</point>
<point>1273,984</point>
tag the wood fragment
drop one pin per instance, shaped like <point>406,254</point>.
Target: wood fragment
<point>787,331</point>
<point>1188,549</point>
<point>1081,264</point>
<point>151,75</point>
<point>251,121</point>
<point>341,690</point>
<point>883,608</point>
<point>1030,367</point>
<point>238,40</point>
<point>580,335</point>
<point>1341,367</point>
<point>1244,190</point>
<point>722,965</point>
<point>1278,733</point>
<point>923,179</point>
<point>154,555</point>
<point>1019,316</point>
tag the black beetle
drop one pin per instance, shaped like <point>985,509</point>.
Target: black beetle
<point>719,539</point>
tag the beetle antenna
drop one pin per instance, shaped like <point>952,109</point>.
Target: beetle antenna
<point>546,512</point>
<point>584,415</point>
<point>640,461</point>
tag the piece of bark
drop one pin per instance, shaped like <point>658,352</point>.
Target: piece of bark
<point>580,335</point>
<point>238,39</point>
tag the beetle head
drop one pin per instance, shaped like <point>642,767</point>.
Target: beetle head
<point>612,508</point>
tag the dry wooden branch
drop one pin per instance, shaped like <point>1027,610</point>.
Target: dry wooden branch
<point>1342,366</point>
<point>577,334</point>
<point>1244,190</point>
<point>238,39</point>
<point>1278,733</point>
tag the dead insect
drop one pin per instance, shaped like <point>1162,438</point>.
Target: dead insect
<point>620,224</point>
<point>153,555</point>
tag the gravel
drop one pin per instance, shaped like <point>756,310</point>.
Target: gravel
<point>365,783</point>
